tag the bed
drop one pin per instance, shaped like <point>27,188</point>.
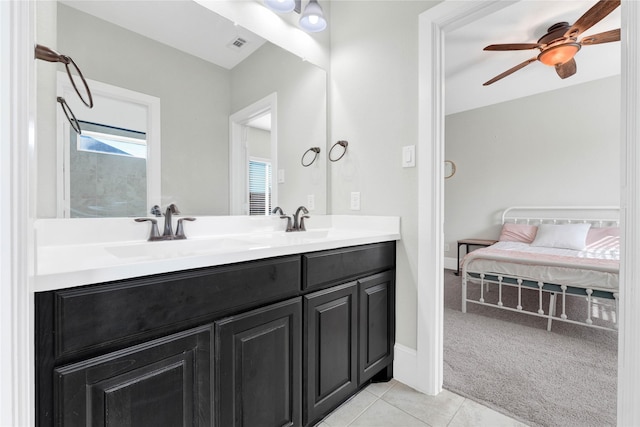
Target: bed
<point>566,257</point>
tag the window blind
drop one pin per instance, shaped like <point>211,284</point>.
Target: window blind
<point>259,187</point>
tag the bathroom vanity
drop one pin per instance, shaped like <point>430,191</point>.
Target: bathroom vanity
<point>276,340</point>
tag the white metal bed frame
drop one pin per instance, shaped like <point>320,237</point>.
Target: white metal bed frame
<point>598,216</point>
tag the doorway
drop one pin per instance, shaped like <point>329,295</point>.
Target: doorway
<point>433,25</point>
<point>239,154</point>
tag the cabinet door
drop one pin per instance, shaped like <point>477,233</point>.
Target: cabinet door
<point>165,382</point>
<point>330,349</point>
<point>377,324</point>
<point>258,367</point>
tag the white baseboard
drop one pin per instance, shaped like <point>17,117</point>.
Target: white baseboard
<point>404,365</point>
<point>450,263</point>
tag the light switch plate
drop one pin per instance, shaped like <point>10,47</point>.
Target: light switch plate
<point>409,156</point>
<point>280,176</point>
<point>311,202</point>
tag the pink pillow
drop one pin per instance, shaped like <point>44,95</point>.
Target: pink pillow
<point>518,233</point>
<point>600,234</point>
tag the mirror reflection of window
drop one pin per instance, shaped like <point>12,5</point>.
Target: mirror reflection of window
<point>259,186</point>
<point>107,172</point>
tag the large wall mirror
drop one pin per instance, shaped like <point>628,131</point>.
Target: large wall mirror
<point>135,46</point>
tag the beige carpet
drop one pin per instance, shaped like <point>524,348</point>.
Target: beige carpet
<point>508,361</point>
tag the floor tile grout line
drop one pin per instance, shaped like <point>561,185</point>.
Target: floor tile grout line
<point>409,414</point>
<point>365,409</point>
<point>457,410</point>
<point>374,401</point>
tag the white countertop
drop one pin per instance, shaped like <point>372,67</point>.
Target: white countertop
<point>75,252</point>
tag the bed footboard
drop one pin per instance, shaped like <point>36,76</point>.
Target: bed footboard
<point>492,288</point>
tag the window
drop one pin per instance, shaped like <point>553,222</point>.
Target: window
<point>107,172</point>
<point>134,145</point>
<point>259,186</point>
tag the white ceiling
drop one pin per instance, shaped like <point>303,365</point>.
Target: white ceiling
<point>192,28</point>
<point>467,66</point>
<point>181,24</point>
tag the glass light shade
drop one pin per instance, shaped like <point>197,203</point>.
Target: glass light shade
<point>280,6</point>
<point>312,18</point>
<point>559,54</point>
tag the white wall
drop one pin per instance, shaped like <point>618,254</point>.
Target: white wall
<point>374,103</point>
<point>556,148</point>
<point>259,142</point>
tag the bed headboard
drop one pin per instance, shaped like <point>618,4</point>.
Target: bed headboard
<point>598,216</point>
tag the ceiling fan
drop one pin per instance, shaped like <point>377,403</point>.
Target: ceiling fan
<point>560,44</point>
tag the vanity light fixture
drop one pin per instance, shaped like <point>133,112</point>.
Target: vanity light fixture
<point>312,19</point>
<point>281,6</point>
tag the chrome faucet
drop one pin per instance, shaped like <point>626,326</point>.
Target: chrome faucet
<point>278,210</point>
<point>298,221</point>
<point>168,230</point>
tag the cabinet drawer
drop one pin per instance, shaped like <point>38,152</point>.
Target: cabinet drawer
<point>322,269</point>
<point>98,316</point>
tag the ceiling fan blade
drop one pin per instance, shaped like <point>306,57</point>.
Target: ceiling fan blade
<point>513,46</point>
<point>606,37</point>
<point>510,71</point>
<point>592,17</point>
<point>567,69</point>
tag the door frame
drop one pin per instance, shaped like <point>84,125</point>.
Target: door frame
<point>238,153</point>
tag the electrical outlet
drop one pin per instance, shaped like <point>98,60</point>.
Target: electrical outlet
<point>311,202</point>
<point>446,247</point>
<point>355,200</point>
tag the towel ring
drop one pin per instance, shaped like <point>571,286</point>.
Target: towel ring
<point>50,55</point>
<point>70,116</point>
<point>315,150</point>
<point>450,170</point>
<point>344,145</point>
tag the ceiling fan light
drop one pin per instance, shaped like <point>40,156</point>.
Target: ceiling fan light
<point>312,18</point>
<point>559,54</point>
<point>280,6</point>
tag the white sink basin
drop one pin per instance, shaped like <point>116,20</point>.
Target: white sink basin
<point>177,248</point>
<point>282,238</point>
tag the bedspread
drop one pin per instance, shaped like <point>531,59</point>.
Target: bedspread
<point>595,267</point>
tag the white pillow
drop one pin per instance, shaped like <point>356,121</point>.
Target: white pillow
<point>567,236</point>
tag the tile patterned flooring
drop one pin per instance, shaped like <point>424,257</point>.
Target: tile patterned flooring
<point>394,404</point>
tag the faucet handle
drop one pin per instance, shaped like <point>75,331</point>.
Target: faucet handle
<point>302,228</point>
<point>155,234</point>
<point>155,211</point>
<point>180,228</point>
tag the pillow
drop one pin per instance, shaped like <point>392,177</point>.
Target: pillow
<point>518,233</point>
<point>567,236</point>
<point>598,234</point>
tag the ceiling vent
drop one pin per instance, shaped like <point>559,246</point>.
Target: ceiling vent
<point>237,43</point>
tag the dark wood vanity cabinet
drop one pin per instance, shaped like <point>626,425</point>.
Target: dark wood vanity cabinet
<point>165,382</point>
<point>349,327</point>
<point>376,322</point>
<point>330,343</point>
<point>258,356</point>
<point>276,342</point>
